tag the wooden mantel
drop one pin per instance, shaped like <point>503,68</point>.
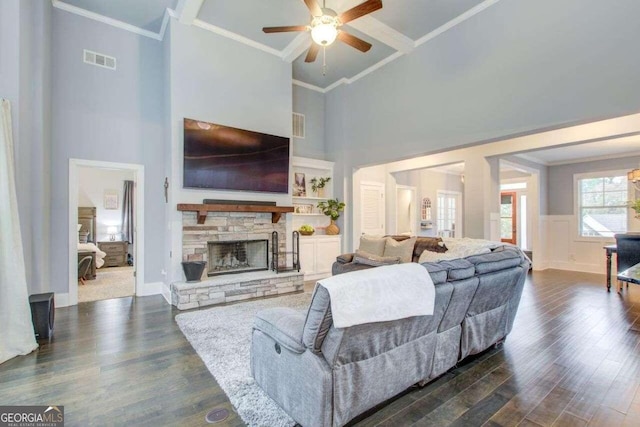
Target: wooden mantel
<point>275,211</point>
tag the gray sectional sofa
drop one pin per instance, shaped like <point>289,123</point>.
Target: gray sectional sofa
<point>325,376</point>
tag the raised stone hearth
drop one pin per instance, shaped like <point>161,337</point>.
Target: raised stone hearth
<point>234,287</point>
<point>198,237</point>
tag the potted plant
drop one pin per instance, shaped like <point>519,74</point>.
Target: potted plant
<point>635,205</point>
<point>332,209</point>
<point>318,184</point>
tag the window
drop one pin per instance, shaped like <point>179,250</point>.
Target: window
<point>602,205</point>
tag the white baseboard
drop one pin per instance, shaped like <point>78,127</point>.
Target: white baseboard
<point>153,288</point>
<point>574,266</point>
<point>61,299</point>
<point>166,293</point>
<point>540,265</point>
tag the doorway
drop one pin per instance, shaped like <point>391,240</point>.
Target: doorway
<point>106,208</point>
<point>405,210</point>
<point>508,217</point>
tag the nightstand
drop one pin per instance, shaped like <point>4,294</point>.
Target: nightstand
<point>116,253</point>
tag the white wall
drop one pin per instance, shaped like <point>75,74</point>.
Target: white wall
<point>215,79</point>
<point>92,184</point>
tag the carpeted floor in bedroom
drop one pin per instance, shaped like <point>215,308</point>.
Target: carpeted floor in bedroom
<point>110,282</point>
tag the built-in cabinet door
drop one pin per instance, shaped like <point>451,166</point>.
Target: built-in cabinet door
<point>326,252</point>
<point>317,255</point>
<point>307,256</point>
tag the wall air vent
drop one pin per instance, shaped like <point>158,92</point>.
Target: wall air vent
<point>99,59</point>
<point>298,125</point>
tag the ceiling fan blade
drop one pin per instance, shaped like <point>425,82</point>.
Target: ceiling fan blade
<point>360,10</point>
<point>354,41</point>
<point>312,53</point>
<point>314,7</point>
<point>285,29</point>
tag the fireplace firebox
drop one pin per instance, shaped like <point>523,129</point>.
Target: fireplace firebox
<point>237,256</point>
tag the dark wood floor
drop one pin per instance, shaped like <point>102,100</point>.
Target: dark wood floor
<point>573,359</point>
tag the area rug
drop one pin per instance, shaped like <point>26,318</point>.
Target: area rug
<point>110,282</point>
<point>222,338</point>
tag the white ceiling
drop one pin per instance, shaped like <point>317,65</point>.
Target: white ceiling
<point>612,148</point>
<point>394,30</point>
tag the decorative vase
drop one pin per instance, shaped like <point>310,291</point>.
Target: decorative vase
<point>332,229</point>
<point>193,270</point>
<point>320,193</point>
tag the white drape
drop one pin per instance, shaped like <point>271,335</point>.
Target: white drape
<point>16,327</point>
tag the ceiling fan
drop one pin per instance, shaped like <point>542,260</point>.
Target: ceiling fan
<point>325,26</point>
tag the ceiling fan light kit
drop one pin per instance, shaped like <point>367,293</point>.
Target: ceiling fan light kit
<point>325,27</point>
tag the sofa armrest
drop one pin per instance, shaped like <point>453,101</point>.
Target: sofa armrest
<point>345,258</point>
<point>283,325</point>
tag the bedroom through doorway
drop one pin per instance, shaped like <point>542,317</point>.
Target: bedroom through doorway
<point>106,234</point>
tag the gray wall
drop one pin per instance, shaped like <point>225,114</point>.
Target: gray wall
<point>311,104</point>
<point>25,68</point>
<point>222,87</point>
<point>516,67</point>
<point>114,116</point>
<point>560,190</point>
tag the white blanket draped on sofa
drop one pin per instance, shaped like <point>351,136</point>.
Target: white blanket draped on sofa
<point>16,328</point>
<point>380,294</point>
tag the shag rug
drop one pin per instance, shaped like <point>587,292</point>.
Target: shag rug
<point>222,338</point>
<point>110,282</point>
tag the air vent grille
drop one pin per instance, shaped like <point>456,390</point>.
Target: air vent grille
<point>298,125</point>
<point>99,60</point>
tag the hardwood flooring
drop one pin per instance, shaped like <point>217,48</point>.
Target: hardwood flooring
<point>572,359</point>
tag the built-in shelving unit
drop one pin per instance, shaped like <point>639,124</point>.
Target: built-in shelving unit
<point>319,251</point>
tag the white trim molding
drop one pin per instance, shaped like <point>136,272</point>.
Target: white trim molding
<point>138,171</point>
<point>308,86</point>
<point>188,10</point>
<point>237,37</point>
<point>152,288</point>
<point>106,20</point>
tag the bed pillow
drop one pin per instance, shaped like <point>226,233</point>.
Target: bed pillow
<point>372,244</point>
<point>366,258</point>
<point>403,249</point>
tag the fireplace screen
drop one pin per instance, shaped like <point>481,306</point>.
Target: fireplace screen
<point>237,256</point>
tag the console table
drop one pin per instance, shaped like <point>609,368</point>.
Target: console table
<point>610,250</point>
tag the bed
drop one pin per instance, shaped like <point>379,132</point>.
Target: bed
<point>87,240</point>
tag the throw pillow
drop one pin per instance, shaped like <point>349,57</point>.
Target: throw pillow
<point>403,249</point>
<point>365,258</point>
<point>372,244</point>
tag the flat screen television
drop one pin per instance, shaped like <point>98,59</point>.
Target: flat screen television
<point>225,158</point>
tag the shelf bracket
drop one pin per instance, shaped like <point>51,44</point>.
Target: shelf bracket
<point>202,217</point>
<point>275,217</point>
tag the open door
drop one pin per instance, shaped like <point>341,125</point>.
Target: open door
<point>508,217</point>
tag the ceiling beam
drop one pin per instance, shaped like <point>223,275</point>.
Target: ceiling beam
<point>188,10</point>
<point>377,30</point>
<point>383,33</point>
<point>297,47</point>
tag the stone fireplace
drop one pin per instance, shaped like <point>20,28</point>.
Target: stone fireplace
<point>238,242</point>
<point>237,256</point>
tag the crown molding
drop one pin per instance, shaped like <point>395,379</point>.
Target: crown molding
<point>308,86</point>
<point>237,37</point>
<point>105,20</point>
<point>455,21</point>
<point>187,11</point>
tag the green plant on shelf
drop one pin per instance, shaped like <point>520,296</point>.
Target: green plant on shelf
<point>318,184</point>
<point>332,208</point>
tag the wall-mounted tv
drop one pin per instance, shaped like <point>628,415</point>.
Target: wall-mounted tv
<point>225,158</point>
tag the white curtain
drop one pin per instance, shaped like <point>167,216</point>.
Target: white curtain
<point>16,327</point>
